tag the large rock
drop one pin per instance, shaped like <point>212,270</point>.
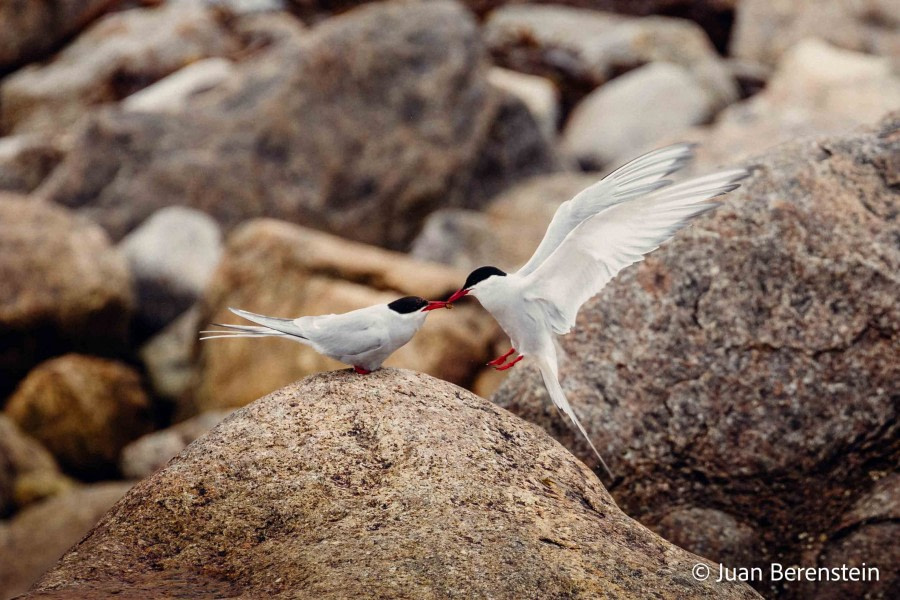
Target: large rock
<point>361,127</point>
<point>615,122</point>
<point>278,269</point>
<point>171,255</point>
<point>26,160</point>
<point>62,287</point>
<point>765,29</point>
<point>392,485</point>
<point>715,16</point>
<point>120,54</point>
<point>36,538</point>
<point>33,29</point>
<point>750,366</point>
<point>84,410</point>
<point>27,471</point>
<point>816,89</point>
<point>583,49</point>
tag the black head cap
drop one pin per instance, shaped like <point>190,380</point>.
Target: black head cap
<point>409,304</point>
<point>480,274</point>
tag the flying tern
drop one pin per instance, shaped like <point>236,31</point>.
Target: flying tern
<point>603,229</point>
<point>362,338</point>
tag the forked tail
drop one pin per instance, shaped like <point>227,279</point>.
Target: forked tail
<point>238,331</point>
<point>551,382</point>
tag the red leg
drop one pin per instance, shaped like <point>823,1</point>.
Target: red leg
<point>501,359</point>
<point>361,371</point>
<point>510,364</point>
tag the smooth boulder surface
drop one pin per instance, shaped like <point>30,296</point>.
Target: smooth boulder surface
<point>84,410</point>
<point>121,53</point>
<point>816,89</point>
<point>26,160</point>
<point>172,256</point>
<point>62,287</point>
<point>32,29</point>
<point>750,366</point>
<point>618,121</point>
<point>361,126</point>
<point>765,29</point>
<point>390,485</point>
<point>28,471</point>
<point>582,49</point>
<point>283,270</point>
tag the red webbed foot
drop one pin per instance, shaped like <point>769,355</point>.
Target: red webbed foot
<point>501,359</point>
<point>509,365</point>
<point>361,371</point>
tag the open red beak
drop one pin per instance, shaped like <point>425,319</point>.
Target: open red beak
<point>433,304</point>
<point>457,295</point>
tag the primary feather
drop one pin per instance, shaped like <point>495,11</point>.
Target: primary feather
<point>641,176</point>
<point>620,235</point>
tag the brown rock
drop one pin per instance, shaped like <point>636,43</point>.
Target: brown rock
<point>393,485</point>
<point>117,56</point>
<point>62,287</point>
<point>361,127</point>
<point>32,29</point>
<point>751,365</point>
<point>765,29</point>
<point>27,471</point>
<point>816,89</point>
<point>26,160</point>
<point>83,409</point>
<point>715,16</point>
<point>34,540</point>
<point>278,269</point>
<point>583,49</point>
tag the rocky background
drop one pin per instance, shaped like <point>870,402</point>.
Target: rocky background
<point>161,161</point>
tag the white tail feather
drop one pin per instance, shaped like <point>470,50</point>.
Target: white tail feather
<point>551,382</point>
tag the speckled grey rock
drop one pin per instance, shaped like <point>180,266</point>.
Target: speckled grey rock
<point>391,485</point>
<point>751,365</point>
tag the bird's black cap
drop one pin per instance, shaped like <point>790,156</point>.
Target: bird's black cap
<point>409,304</point>
<point>480,274</point>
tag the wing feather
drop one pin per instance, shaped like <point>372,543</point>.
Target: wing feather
<point>643,175</point>
<point>597,249</point>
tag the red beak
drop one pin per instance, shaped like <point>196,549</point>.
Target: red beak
<point>457,295</point>
<point>433,304</point>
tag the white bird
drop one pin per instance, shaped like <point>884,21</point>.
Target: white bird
<point>606,227</point>
<point>362,338</point>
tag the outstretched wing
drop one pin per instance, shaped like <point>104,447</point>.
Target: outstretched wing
<point>641,176</point>
<point>595,251</point>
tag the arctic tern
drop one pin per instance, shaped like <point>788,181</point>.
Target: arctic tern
<point>362,338</point>
<point>603,229</point>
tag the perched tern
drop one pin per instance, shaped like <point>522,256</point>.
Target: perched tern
<point>361,338</point>
<point>603,229</point>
